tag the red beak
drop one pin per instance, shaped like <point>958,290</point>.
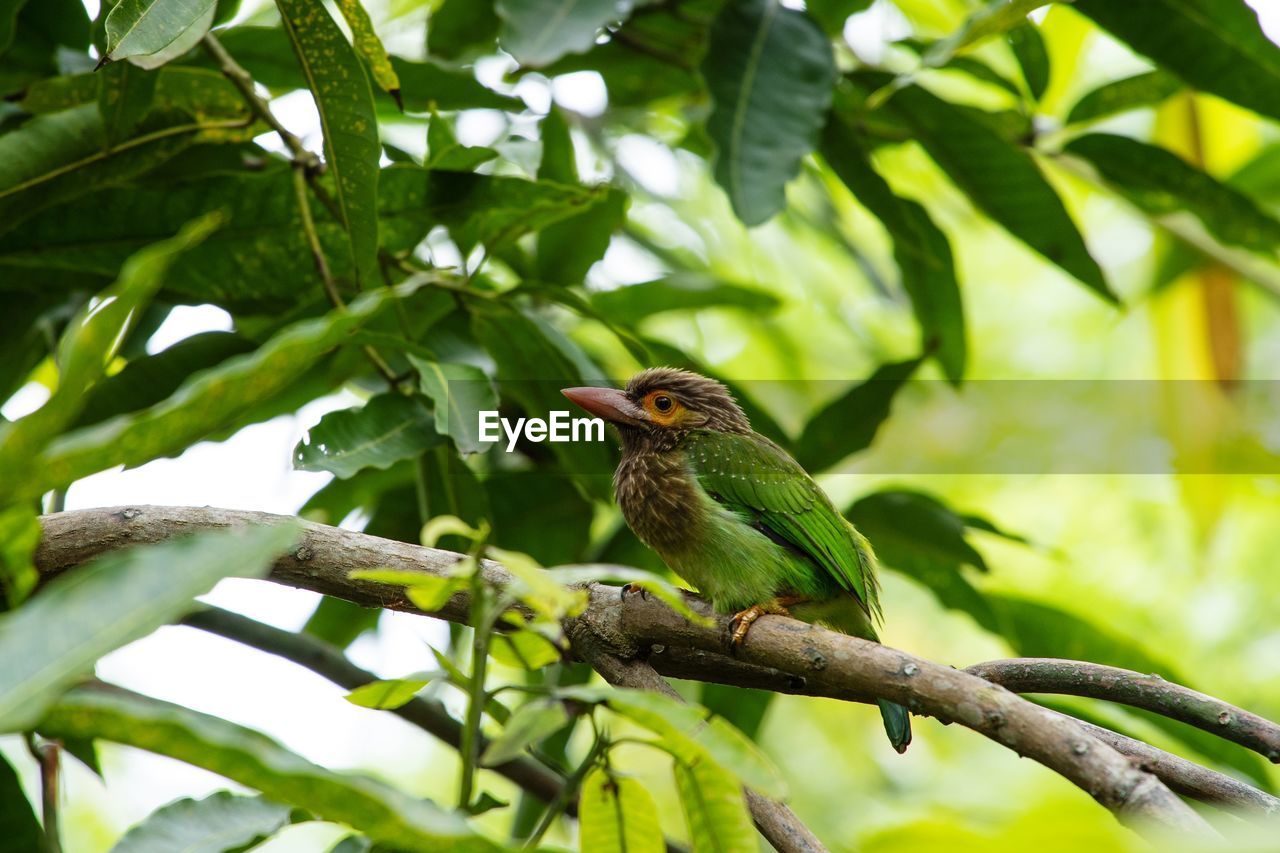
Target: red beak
<point>607,403</point>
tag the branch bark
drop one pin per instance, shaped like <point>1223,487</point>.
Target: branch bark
<point>612,632</point>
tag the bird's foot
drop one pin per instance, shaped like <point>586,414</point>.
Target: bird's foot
<point>744,619</point>
<point>635,589</point>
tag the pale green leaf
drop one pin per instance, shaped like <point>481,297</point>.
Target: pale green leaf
<point>149,33</point>
<point>538,32</point>
<point>616,814</point>
<point>388,694</point>
<point>530,723</point>
<point>714,807</point>
<point>220,823</point>
<point>370,46</point>
<point>19,536</point>
<point>54,640</point>
<point>524,649</point>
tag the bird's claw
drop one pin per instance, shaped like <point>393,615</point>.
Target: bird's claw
<point>742,622</point>
<point>635,589</point>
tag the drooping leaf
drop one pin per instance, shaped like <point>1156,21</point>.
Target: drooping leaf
<point>383,813</point>
<point>538,32</point>
<point>1141,90</point>
<point>526,649</point>
<point>386,695</point>
<point>341,90</point>
<point>849,423</point>
<point>682,291</point>
<point>616,814</point>
<point>993,18</point>
<point>209,401</point>
<point>1033,57</point>
<point>87,348</point>
<point>339,622</point>
<point>1216,46</point>
<point>426,85</point>
<point>530,723</point>
<point>908,528</point>
<point>1162,184</point>
<point>54,640</point>
<point>220,823</point>
<point>370,46</point>
<point>125,95</point>
<point>446,154</point>
<point>388,428</point>
<point>19,536</point>
<point>458,392</point>
<point>1000,178</point>
<point>922,251</point>
<point>456,27</point>
<point>20,832</point>
<point>714,807</point>
<point>149,33</point>
<point>769,70</point>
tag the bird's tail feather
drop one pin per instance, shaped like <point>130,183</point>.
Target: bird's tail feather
<point>897,724</point>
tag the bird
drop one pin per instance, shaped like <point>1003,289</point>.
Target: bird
<point>734,514</point>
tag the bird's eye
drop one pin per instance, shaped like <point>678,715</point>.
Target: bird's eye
<point>663,403</point>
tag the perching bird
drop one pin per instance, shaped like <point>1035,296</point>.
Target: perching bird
<point>733,514</point>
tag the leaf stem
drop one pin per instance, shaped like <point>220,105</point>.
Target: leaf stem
<point>47,756</point>
<point>568,792</point>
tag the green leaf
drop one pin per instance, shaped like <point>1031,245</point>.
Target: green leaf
<point>256,761</point>
<point>538,32</point>
<point>1033,57</point>
<point>1000,178</point>
<point>686,732</point>
<point>340,622</point>
<point>1216,46</point>
<point>525,650</point>
<point>209,401</point>
<point>714,807</point>
<point>9,10</point>
<point>681,291</point>
<point>370,46</point>
<point>432,594</point>
<point>200,93</point>
<point>849,423</point>
<point>20,832</point>
<point>125,95</point>
<point>459,392</point>
<point>832,14</point>
<point>456,27</point>
<point>742,707</point>
<point>53,641</point>
<point>149,33</point>
<point>386,695</point>
<point>616,814</point>
<point>220,823</point>
<point>1142,90</point>
<point>388,428</point>
<point>995,17</point>
<point>426,85</point>
<point>769,70</point>
<point>908,528</point>
<point>530,723</point>
<point>1161,184</point>
<point>88,346</point>
<point>444,152</point>
<point>19,536</point>
<point>526,504</point>
<point>62,156</point>
<point>921,249</point>
<point>337,82</point>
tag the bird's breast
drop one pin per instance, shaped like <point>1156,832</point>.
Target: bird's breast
<point>659,499</point>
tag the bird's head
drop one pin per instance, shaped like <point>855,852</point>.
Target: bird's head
<point>663,402</point>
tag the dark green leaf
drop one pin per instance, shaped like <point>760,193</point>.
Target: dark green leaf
<point>714,807</point>
<point>1162,184</point>
<point>686,291</point>
<point>20,533</point>
<point>125,95</point>
<point>832,14</point>
<point>388,428</point>
<point>530,723</point>
<point>339,622</point>
<point>922,251</point>
<point>444,152</point>
<point>84,750</point>
<point>849,423</point>
<point>54,640</point>
<point>1216,46</point>
<point>220,823</point>
<point>20,832</point>
<point>995,16</point>
<point>743,707</point>
<point>769,70</point>
<point>617,815</point>
<point>27,324</point>
<point>999,177</point>
<point>526,504</point>
<point>908,527</point>
<point>9,10</point>
<point>457,27</point>
<point>149,33</point>
<point>426,85</point>
<point>559,162</point>
<point>256,761</point>
<point>200,93</point>
<point>459,392</point>
<point>352,150</point>
<point>1142,90</point>
<point>1033,57</point>
<point>538,32</point>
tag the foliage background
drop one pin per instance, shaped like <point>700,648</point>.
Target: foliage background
<point>1172,567</point>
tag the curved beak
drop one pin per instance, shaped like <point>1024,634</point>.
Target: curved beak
<point>608,403</point>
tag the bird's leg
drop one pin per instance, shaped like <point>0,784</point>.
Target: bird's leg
<point>633,588</point>
<point>744,619</point>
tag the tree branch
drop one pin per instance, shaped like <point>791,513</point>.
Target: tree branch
<point>802,657</point>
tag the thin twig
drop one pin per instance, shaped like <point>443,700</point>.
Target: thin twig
<point>47,756</point>
<point>568,794</point>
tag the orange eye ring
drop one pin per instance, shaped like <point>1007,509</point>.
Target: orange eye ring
<point>663,406</point>
<point>663,403</point>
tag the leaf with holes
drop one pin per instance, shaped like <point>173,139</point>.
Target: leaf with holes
<point>770,71</point>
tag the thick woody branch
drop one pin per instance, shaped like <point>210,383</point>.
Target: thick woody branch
<point>1149,692</point>
<point>795,656</point>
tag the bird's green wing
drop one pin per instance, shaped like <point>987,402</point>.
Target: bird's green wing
<point>753,475</point>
